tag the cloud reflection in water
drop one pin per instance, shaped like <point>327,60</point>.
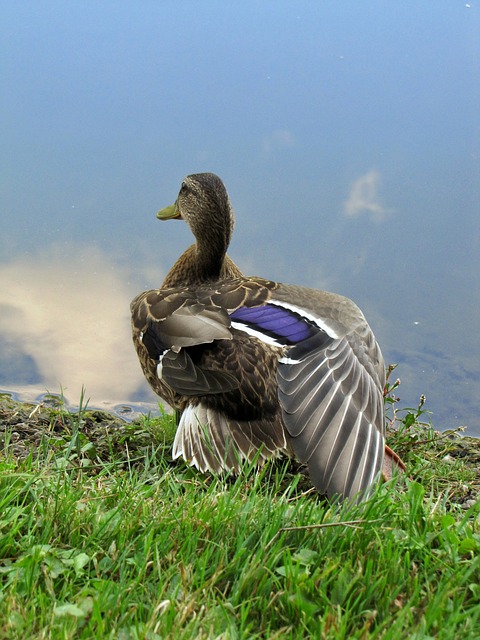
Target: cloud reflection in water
<point>65,323</point>
<point>364,198</point>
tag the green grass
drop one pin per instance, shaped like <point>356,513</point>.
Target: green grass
<point>112,540</point>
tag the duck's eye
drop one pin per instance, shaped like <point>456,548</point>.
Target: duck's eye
<point>183,188</point>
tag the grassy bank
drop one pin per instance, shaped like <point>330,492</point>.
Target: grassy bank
<point>103,537</point>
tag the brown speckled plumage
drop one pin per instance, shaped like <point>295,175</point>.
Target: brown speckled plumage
<point>243,388</point>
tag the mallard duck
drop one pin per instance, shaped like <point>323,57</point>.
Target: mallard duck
<point>257,368</point>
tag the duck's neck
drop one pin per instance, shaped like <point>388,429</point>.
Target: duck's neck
<point>197,266</point>
<point>210,255</point>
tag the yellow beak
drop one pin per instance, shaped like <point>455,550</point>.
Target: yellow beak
<point>169,212</point>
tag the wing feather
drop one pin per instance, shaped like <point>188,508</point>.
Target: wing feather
<point>333,411</point>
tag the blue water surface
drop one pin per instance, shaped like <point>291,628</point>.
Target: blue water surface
<point>348,135</point>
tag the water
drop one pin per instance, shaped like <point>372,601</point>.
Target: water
<point>347,136</point>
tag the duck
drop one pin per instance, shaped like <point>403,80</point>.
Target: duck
<point>259,369</point>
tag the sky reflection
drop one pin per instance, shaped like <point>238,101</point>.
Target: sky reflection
<point>65,324</point>
<point>347,134</point>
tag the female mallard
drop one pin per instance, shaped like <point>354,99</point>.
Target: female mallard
<point>258,368</point>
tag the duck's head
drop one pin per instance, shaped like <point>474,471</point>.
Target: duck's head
<point>204,204</point>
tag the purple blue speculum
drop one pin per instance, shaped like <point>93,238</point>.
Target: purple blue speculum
<point>275,321</point>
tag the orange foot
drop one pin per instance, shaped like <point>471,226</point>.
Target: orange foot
<point>391,463</point>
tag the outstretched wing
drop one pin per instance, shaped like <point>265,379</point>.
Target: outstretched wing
<point>331,394</point>
<point>330,385</point>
